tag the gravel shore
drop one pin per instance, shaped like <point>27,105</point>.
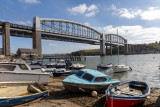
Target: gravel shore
<point>62,98</point>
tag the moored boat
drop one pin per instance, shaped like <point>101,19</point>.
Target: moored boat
<point>127,94</point>
<point>59,64</point>
<point>21,72</point>
<point>77,66</point>
<point>13,93</point>
<point>104,66</point>
<point>48,69</point>
<point>88,80</point>
<point>121,68</point>
<point>63,72</point>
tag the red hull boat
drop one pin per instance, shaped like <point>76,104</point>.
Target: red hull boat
<point>127,94</point>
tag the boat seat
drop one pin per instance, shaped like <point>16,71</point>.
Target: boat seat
<point>131,92</point>
<point>33,89</point>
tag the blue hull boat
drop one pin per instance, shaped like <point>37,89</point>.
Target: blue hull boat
<point>88,80</point>
<point>14,93</point>
<point>63,72</point>
<point>104,66</point>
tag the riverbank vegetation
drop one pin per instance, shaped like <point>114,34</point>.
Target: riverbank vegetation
<point>132,49</point>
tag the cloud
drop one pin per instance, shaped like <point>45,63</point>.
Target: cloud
<point>84,10</point>
<point>91,11</point>
<point>78,9</point>
<point>152,13</point>
<point>23,22</point>
<point>134,34</point>
<point>30,1</point>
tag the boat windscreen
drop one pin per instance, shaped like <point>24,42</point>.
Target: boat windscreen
<point>79,73</point>
<point>23,66</point>
<point>100,79</point>
<point>7,67</point>
<point>87,77</point>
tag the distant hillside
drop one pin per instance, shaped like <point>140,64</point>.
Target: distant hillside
<point>86,52</point>
<point>138,49</point>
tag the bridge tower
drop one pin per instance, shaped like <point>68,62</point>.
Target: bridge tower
<point>6,38</point>
<point>36,38</point>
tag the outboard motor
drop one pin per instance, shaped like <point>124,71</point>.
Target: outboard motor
<point>68,63</point>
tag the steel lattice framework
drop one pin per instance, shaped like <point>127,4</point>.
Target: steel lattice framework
<point>64,30</point>
<point>115,39</point>
<point>69,28</point>
<point>77,31</point>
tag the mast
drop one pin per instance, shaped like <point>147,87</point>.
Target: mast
<point>118,48</point>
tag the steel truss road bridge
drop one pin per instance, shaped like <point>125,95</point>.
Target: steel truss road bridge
<point>57,29</point>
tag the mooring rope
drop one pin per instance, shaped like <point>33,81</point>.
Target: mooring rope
<point>95,100</point>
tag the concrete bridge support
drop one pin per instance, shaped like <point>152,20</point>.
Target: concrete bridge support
<point>111,48</point>
<point>37,36</point>
<point>106,44</point>
<point>102,45</point>
<point>6,38</point>
<point>126,49</point>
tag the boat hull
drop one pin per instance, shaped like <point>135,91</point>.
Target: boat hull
<point>40,78</point>
<point>103,67</point>
<point>20,100</point>
<point>14,93</point>
<point>64,73</point>
<point>121,69</point>
<point>56,66</point>
<point>86,87</point>
<point>127,94</point>
<point>113,102</point>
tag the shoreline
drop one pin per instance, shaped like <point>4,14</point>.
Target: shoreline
<point>62,98</point>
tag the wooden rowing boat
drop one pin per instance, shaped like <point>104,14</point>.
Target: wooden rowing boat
<point>127,94</point>
<point>14,93</point>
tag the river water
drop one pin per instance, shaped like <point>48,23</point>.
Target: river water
<point>144,67</point>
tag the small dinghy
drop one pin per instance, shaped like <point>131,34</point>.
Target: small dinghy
<point>104,66</point>
<point>14,93</point>
<point>127,94</point>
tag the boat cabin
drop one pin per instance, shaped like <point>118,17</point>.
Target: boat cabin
<point>13,66</point>
<point>92,78</point>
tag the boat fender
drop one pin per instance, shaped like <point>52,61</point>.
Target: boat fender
<point>43,70</point>
<point>94,93</point>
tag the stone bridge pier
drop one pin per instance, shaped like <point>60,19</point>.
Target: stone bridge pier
<point>36,37</point>
<point>6,38</point>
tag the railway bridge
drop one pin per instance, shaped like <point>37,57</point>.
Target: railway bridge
<point>57,29</point>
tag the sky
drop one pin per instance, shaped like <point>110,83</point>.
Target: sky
<point>136,20</point>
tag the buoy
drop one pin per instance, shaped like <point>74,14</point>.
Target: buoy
<point>94,93</point>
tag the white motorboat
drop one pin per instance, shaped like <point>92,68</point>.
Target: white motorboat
<point>21,72</point>
<point>77,66</point>
<point>121,68</point>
